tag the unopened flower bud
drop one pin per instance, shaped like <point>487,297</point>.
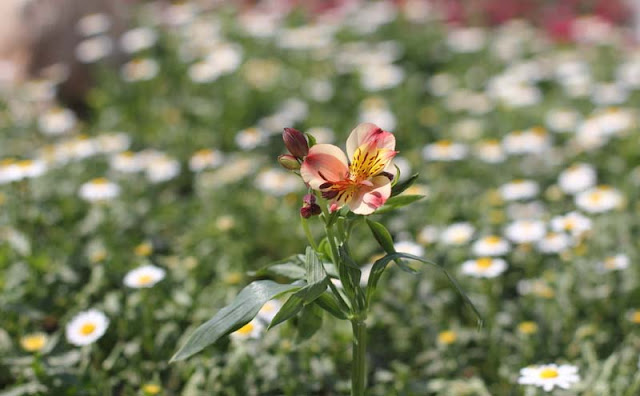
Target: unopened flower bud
<point>309,199</point>
<point>310,210</point>
<point>289,162</point>
<point>295,142</point>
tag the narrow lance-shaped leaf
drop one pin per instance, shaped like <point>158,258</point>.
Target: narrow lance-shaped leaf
<point>400,187</point>
<point>315,270</point>
<point>298,300</point>
<point>380,265</point>
<point>235,315</point>
<point>398,202</point>
<point>382,235</point>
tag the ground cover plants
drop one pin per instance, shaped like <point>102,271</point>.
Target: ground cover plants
<point>126,228</point>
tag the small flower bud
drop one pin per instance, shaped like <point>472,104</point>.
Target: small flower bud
<point>309,199</point>
<point>310,210</point>
<point>289,162</point>
<point>295,142</point>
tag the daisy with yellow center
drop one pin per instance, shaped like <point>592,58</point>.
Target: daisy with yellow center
<point>447,337</point>
<point>144,276</point>
<point>143,250</point>
<point>485,267</point>
<point>634,316</point>
<point>86,327</point>
<point>527,327</point>
<point>363,180</point>
<point>549,376</point>
<point>34,342</point>
<point>491,245</point>
<point>252,330</point>
<point>151,389</point>
<point>98,190</point>
<point>599,199</point>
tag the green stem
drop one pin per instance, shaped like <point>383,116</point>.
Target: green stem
<point>359,366</point>
<point>307,232</point>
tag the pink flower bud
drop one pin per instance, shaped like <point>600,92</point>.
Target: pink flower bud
<point>289,162</point>
<point>295,142</point>
<point>309,199</point>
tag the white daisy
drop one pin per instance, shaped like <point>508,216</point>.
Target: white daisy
<point>205,158</point>
<point>277,182</point>
<point>110,143</point>
<point>161,168</point>
<point>269,310</point>
<point>485,267</point>
<point>409,247</point>
<point>576,178</point>
<point>98,190</point>
<point>491,245</point>
<point>126,162</point>
<point>86,327</point>
<point>525,231</point>
<point>574,223</point>
<point>490,151</point>
<point>57,121</point>
<point>92,24</point>
<point>599,199</point>
<point>466,40</point>
<point>613,263</point>
<point>377,77</point>
<point>250,138</point>
<point>141,69</point>
<point>94,49</point>
<point>253,330</point>
<point>138,39</point>
<point>549,376</point>
<point>519,189</point>
<point>457,234</point>
<point>144,276</point>
<point>554,242</point>
<point>562,120</point>
<point>444,150</point>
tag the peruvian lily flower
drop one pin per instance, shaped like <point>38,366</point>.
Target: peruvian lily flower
<point>363,181</point>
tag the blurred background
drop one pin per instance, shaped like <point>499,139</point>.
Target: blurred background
<point>140,191</point>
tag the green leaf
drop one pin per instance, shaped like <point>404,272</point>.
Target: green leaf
<point>398,202</point>
<point>311,139</point>
<point>291,268</point>
<point>315,270</point>
<point>399,188</point>
<point>380,265</point>
<point>310,321</point>
<point>382,236</point>
<point>350,276</point>
<point>328,302</point>
<point>297,300</point>
<point>235,315</point>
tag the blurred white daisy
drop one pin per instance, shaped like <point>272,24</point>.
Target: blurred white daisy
<point>250,138</point>
<point>57,121</point>
<point>9,171</point>
<point>534,140</point>
<point>491,245</point>
<point>86,327</point>
<point>31,168</point>
<point>554,242</point>
<point>94,49</point>
<point>253,330</point>
<point>98,190</point>
<point>138,39</point>
<point>144,276</point>
<point>162,168</point>
<point>519,189</point>
<point>562,120</point>
<point>409,247</point>
<point>377,77</point>
<point>204,159</point>
<point>269,310</point>
<point>599,199</point>
<point>490,151</point>
<point>466,40</point>
<point>141,69</point>
<point>428,235</point>
<point>525,231</point>
<point>613,263</point>
<point>574,223</point>
<point>93,24</point>
<point>277,182</point>
<point>444,150</point>
<point>126,162</point>
<point>485,267</point>
<point>375,110</point>
<point>457,234</point>
<point>576,178</point>
<point>549,376</point>
<point>109,143</point>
